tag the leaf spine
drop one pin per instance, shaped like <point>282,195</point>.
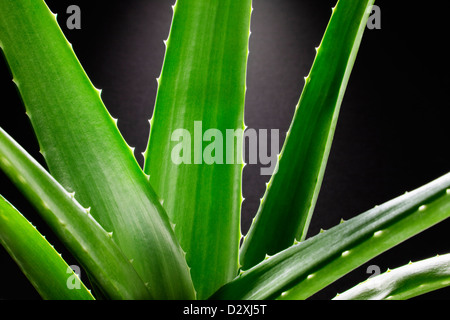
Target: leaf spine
<point>99,91</point>
<point>377,233</point>
<point>345,253</point>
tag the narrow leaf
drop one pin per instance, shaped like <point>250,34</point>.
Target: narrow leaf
<point>303,269</point>
<point>84,149</point>
<point>72,223</point>
<point>38,260</point>
<point>403,283</point>
<point>194,155</point>
<point>290,198</point>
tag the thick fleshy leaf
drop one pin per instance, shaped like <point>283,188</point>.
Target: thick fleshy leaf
<point>194,156</point>
<point>303,269</point>
<point>288,204</point>
<point>403,283</point>
<point>84,149</point>
<point>47,271</point>
<point>74,225</point>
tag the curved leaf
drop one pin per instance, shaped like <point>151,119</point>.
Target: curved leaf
<point>290,198</point>
<point>39,261</point>
<point>404,282</point>
<point>73,224</point>
<point>84,149</point>
<point>303,269</point>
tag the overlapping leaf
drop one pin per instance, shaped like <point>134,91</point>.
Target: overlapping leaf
<point>196,134</point>
<point>84,149</point>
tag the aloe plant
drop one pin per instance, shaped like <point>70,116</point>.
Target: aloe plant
<point>172,229</point>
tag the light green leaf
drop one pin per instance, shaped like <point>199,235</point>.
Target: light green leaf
<point>403,283</point>
<point>74,225</point>
<point>290,198</point>
<point>42,265</point>
<point>303,269</point>
<point>193,158</point>
<point>84,149</point>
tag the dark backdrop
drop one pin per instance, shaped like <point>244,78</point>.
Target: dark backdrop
<point>392,135</point>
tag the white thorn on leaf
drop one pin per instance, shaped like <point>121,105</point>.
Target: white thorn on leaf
<point>345,253</point>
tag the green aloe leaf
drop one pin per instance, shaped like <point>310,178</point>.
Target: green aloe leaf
<point>194,156</point>
<point>83,236</point>
<point>305,268</point>
<point>84,149</point>
<point>290,198</point>
<point>40,262</point>
<point>403,283</point>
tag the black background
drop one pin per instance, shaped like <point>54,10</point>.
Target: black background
<point>392,135</point>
